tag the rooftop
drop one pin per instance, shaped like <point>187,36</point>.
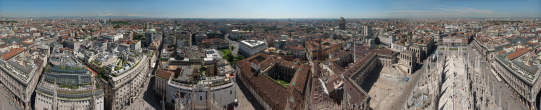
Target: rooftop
<point>252,43</point>
<point>12,52</point>
<point>266,86</point>
<point>21,66</point>
<point>519,56</point>
<point>164,74</point>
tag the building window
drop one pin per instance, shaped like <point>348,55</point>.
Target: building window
<point>230,92</point>
<point>200,97</point>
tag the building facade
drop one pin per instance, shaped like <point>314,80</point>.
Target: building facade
<point>160,84</point>
<point>19,74</point>
<point>66,84</point>
<point>122,90</point>
<point>407,62</point>
<point>213,94</point>
<point>251,47</point>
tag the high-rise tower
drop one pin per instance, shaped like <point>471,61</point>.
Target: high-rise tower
<point>342,23</point>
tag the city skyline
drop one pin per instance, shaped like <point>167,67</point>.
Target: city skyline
<point>273,8</point>
<point>270,55</point>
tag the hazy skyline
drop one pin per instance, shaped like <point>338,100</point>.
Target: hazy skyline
<point>273,8</point>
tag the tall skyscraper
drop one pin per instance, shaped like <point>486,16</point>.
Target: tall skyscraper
<point>342,23</point>
<point>366,30</point>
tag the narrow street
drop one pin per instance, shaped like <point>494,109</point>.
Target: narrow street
<point>148,100</point>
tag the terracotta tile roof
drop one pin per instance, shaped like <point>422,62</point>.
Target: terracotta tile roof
<point>131,41</point>
<point>271,92</point>
<point>519,52</point>
<point>501,52</point>
<point>164,74</point>
<point>358,95</point>
<point>12,52</point>
<point>297,47</point>
<point>384,51</point>
<point>211,40</point>
<point>352,68</point>
<point>333,79</point>
<point>299,80</point>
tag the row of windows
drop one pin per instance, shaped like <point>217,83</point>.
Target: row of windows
<point>514,80</point>
<point>49,101</point>
<point>10,83</point>
<point>123,94</point>
<point>140,69</point>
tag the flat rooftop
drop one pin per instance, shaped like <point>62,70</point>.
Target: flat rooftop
<point>252,43</point>
<point>21,66</point>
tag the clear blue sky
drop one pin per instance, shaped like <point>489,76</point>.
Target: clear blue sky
<point>273,8</point>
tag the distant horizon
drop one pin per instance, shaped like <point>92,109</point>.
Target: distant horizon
<point>510,17</point>
<point>281,9</point>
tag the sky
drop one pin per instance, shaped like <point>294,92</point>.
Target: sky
<point>272,8</point>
